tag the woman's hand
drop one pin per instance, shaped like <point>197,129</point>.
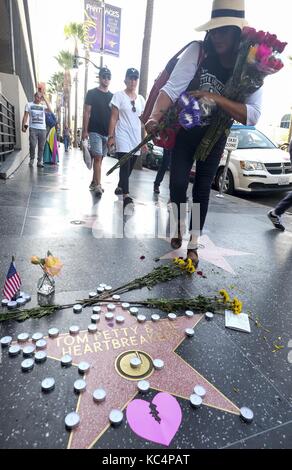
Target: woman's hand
<point>237,111</point>
<point>144,149</point>
<point>152,126</point>
<point>111,143</point>
<point>204,94</point>
<point>84,135</point>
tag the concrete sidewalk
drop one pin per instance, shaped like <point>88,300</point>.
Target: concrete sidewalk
<point>52,209</point>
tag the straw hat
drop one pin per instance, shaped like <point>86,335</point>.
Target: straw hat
<point>226,13</point>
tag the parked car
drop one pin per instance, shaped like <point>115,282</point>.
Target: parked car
<point>153,158</point>
<point>257,164</point>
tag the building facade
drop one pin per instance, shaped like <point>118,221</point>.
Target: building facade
<point>18,81</point>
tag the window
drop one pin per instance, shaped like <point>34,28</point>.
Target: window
<point>285,121</point>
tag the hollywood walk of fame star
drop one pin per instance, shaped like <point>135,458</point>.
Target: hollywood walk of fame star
<point>102,350</point>
<point>209,252</point>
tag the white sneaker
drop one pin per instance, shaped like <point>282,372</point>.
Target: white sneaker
<point>92,186</point>
<point>98,190</point>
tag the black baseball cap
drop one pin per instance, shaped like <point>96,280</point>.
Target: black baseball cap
<point>132,73</point>
<point>105,71</point>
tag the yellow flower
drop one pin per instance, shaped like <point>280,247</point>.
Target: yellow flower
<point>189,263</point>
<point>189,266</point>
<point>181,263</point>
<point>251,58</point>
<point>53,265</point>
<point>225,295</point>
<point>237,306</point>
<point>35,260</point>
<point>185,265</point>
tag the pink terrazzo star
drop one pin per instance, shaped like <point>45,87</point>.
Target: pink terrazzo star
<point>101,350</point>
<point>209,252</point>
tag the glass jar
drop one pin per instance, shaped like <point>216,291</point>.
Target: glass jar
<point>46,285</point>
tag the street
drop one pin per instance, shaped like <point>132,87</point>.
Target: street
<point>266,199</point>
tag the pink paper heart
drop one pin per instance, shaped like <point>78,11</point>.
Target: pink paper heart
<point>146,426</point>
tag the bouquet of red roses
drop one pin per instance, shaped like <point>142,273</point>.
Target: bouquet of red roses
<point>258,57</point>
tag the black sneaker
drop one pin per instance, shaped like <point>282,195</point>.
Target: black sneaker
<point>276,220</point>
<point>128,200</point>
<point>128,206</point>
<point>156,189</point>
<point>118,191</point>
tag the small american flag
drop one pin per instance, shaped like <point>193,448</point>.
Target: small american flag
<point>12,283</point>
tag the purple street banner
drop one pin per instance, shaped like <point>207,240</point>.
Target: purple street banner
<point>93,25</point>
<point>112,30</point>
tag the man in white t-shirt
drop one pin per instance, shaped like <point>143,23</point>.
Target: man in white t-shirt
<point>36,112</point>
<point>125,128</point>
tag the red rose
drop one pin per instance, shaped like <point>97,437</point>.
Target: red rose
<point>275,64</point>
<point>260,37</point>
<point>278,65</point>
<point>280,46</point>
<point>249,33</point>
<point>271,40</point>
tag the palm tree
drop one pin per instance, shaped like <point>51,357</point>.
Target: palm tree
<point>66,60</point>
<point>56,87</point>
<point>145,59</point>
<point>56,83</point>
<point>146,48</point>
<point>75,31</point>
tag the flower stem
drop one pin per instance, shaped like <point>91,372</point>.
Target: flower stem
<point>129,155</point>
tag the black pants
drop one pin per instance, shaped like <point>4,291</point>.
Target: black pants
<point>125,172</point>
<point>181,164</point>
<point>163,167</point>
<point>284,204</point>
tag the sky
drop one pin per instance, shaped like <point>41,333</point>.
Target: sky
<point>174,26</point>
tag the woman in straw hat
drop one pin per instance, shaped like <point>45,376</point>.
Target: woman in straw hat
<point>207,79</point>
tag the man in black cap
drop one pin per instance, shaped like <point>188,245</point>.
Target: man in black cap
<point>96,119</point>
<point>125,128</point>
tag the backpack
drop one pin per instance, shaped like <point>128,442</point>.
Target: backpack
<point>163,78</point>
<point>51,120</point>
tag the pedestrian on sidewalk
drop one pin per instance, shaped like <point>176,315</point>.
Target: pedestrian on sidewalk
<point>164,166</point>
<point>125,128</point>
<point>66,138</point>
<point>96,119</point>
<point>36,112</point>
<point>51,154</point>
<point>206,78</point>
<point>275,215</point>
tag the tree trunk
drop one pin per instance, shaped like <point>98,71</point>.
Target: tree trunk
<point>146,49</point>
<point>76,103</point>
<point>76,111</point>
<point>69,109</point>
<point>87,56</point>
<point>67,97</point>
<point>145,60</point>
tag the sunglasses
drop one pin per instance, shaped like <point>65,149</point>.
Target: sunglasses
<point>106,77</point>
<point>133,106</point>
